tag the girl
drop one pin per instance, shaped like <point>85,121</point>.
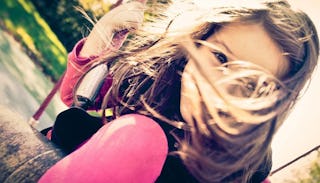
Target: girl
<point>219,78</point>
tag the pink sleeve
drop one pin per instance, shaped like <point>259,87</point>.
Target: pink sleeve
<point>75,69</point>
<point>76,65</point>
<point>132,148</point>
<point>73,73</point>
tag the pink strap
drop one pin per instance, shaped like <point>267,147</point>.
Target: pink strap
<point>132,148</point>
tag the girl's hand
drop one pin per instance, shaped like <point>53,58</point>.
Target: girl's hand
<point>124,17</point>
<point>127,16</point>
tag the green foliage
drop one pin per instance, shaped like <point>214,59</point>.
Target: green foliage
<point>97,7</point>
<point>64,19</point>
<point>314,172</point>
<point>24,22</point>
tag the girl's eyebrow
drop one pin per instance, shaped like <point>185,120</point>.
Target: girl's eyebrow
<point>216,44</point>
<point>230,53</point>
<point>223,45</point>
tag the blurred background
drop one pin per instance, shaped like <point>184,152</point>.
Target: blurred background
<point>35,37</point>
<point>301,131</point>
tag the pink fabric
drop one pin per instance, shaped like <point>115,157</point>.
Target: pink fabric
<point>73,73</point>
<point>75,69</point>
<point>132,148</point>
<point>266,181</point>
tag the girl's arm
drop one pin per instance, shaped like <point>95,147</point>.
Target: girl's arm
<point>106,36</point>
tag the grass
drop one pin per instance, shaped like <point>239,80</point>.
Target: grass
<point>20,18</point>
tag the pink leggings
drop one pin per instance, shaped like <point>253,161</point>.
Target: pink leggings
<point>132,148</point>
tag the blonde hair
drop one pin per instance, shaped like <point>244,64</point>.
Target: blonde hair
<point>147,80</point>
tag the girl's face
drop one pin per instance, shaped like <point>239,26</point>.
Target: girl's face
<point>234,41</point>
<point>244,42</point>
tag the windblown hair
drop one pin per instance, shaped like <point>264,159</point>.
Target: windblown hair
<point>226,131</point>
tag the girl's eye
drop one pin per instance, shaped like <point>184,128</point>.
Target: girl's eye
<point>221,57</point>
